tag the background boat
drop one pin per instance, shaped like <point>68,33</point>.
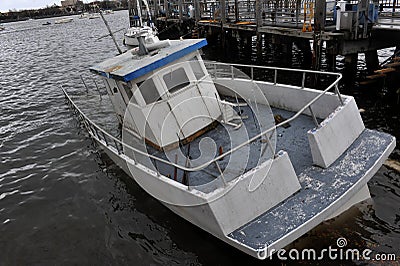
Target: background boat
<point>63,20</point>
<point>140,21</point>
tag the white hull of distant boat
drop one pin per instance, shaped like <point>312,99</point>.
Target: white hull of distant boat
<point>108,12</point>
<point>93,16</point>
<point>319,168</point>
<point>84,15</point>
<point>63,21</point>
<point>89,15</point>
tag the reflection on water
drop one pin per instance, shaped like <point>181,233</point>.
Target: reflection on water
<point>63,201</point>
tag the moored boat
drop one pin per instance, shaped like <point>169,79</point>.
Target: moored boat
<point>108,12</point>
<point>93,15</point>
<point>139,27</point>
<point>63,20</point>
<point>84,15</point>
<point>251,160</point>
<point>130,37</point>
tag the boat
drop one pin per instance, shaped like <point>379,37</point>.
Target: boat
<point>63,21</point>
<point>108,11</point>
<point>231,148</point>
<point>2,27</point>
<point>138,27</point>
<point>46,23</point>
<point>89,15</point>
<point>84,15</point>
<point>93,15</point>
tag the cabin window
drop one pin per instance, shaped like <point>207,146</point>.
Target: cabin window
<point>149,91</point>
<point>139,83</point>
<point>127,90</point>
<point>176,80</point>
<point>115,90</point>
<point>196,67</point>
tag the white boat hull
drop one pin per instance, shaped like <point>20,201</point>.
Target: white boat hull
<point>63,21</point>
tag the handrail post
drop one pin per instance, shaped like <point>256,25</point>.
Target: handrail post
<point>89,129</point>
<point>97,133</point>
<point>83,81</point>
<point>309,107</point>
<point>232,75</point>
<point>275,76</point>
<point>252,72</point>
<point>156,167</point>
<point>134,158</point>
<point>222,174</point>
<point>105,139</point>
<point>314,117</point>
<point>267,139</point>
<point>98,90</point>
<point>85,123</point>
<point>116,146</point>
<point>187,175</point>
<point>338,94</point>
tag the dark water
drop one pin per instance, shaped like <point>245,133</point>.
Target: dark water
<point>63,202</point>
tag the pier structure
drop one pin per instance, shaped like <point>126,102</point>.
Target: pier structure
<point>341,27</point>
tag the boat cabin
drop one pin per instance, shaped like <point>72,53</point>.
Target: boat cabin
<point>165,96</point>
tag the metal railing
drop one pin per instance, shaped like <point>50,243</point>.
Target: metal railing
<point>290,13</point>
<point>118,146</point>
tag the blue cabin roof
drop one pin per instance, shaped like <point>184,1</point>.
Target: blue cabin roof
<point>128,66</point>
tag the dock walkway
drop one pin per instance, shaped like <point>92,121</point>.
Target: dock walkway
<point>289,21</point>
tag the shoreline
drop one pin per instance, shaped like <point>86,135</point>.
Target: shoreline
<point>43,16</point>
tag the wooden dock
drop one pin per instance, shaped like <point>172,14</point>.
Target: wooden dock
<point>287,22</point>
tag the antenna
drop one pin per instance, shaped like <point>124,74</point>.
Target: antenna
<point>142,48</point>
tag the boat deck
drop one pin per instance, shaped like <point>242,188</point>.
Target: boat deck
<point>321,188</point>
<point>292,139</point>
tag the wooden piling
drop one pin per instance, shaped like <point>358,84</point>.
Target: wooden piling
<point>331,52</point>
<point>180,3</point>
<point>222,8</point>
<point>166,10</point>
<point>350,66</point>
<point>372,61</point>
<point>319,16</point>
<point>236,10</point>
<point>258,14</point>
